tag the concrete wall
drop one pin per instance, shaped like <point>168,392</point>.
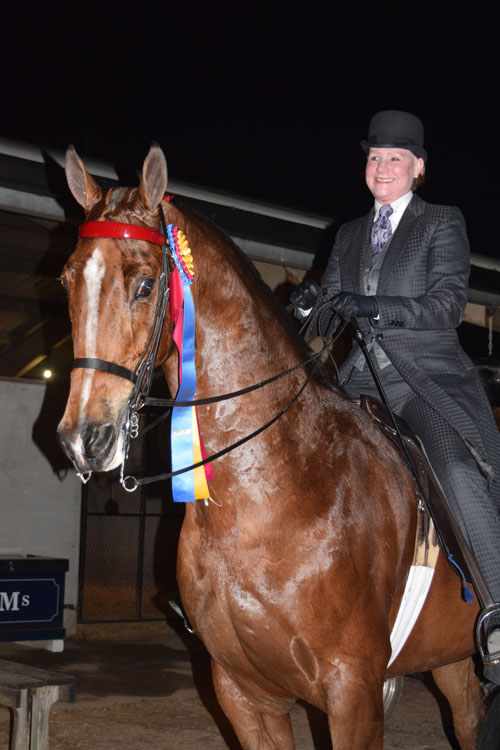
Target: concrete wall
<point>40,495</point>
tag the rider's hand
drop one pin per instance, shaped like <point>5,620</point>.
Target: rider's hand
<point>349,305</point>
<point>303,297</point>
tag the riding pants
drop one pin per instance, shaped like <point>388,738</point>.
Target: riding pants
<point>475,502</point>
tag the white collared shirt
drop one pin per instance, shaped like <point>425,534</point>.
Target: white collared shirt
<point>398,208</point>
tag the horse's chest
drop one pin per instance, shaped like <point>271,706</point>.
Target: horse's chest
<point>230,614</point>
<point>228,591</point>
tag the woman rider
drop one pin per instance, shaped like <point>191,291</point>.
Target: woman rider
<point>402,271</point>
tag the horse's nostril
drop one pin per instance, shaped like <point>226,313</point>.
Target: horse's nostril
<point>65,442</point>
<point>98,440</point>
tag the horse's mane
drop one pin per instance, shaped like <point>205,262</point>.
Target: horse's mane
<point>211,230</point>
<point>270,298</point>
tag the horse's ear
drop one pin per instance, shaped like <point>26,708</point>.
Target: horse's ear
<point>154,177</point>
<point>83,186</point>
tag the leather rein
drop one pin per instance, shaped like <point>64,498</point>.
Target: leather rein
<point>142,374</point>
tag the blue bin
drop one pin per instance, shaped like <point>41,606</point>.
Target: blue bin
<point>31,597</point>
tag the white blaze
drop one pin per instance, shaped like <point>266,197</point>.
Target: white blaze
<point>93,275</point>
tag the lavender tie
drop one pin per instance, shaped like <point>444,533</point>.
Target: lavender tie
<point>381,230</point>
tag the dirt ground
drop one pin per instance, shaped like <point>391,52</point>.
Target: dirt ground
<point>147,686</point>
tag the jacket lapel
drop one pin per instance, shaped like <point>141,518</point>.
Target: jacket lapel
<point>410,217</point>
<point>361,252</point>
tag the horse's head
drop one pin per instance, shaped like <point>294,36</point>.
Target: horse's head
<point>112,287</point>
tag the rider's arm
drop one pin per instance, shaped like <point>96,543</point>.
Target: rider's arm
<point>442,304</point>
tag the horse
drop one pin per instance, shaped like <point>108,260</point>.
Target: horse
<point>292,570</point>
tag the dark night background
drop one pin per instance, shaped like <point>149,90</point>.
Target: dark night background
<point>268,102</point>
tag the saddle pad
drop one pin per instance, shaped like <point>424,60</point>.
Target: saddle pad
<point>417,585</point>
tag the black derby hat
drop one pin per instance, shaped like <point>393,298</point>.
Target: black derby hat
<point>396,129</point>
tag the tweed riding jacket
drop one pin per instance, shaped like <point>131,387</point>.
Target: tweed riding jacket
<point>421,295</point>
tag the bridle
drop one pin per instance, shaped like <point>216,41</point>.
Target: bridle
<point>142,374</point>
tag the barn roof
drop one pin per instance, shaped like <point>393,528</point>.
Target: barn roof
<point>38,222</point>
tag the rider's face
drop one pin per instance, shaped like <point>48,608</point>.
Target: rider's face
<point>390,172</point>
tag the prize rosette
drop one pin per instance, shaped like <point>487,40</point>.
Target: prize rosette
<point>186,443</point>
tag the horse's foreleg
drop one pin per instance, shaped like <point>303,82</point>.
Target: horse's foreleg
<point>256,730</point>
<point>356,710</point>
<point>462,690</point>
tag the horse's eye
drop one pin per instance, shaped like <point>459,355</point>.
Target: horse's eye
<point>62,282</point>
<point>145,288</point>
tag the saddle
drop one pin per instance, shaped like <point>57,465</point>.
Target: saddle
<point>436,523</point>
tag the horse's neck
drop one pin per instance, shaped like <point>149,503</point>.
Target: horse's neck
<point>240,341</point>
<point>240,337</point>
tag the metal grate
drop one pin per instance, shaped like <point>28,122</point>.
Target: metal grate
<point>129,543</point>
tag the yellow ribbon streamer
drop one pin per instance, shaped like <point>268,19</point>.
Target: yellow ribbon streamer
<point>200,480</point>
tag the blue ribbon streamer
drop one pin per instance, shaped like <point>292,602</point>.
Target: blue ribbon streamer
<point>182,417</point>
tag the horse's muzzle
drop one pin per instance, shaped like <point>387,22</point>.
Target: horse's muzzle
<point>92,447</point>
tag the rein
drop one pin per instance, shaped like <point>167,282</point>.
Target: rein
<point>168,403</point>
<point>141,376</point>
<point>130,483</point>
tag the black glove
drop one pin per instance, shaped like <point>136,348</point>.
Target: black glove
<point>350,305</point>
<point>303,298</point>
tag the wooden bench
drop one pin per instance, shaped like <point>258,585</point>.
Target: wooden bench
<point>30,693</point>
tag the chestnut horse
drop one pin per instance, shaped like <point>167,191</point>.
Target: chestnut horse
<point>293,575</point>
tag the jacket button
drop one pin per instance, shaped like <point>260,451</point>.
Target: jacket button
<point>379,336</point>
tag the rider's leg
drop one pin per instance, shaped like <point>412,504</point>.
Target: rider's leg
<point>475,503</point>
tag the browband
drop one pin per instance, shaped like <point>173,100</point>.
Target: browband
<point>116,230</point>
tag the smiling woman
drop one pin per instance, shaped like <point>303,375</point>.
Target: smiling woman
<point>403,271</point>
